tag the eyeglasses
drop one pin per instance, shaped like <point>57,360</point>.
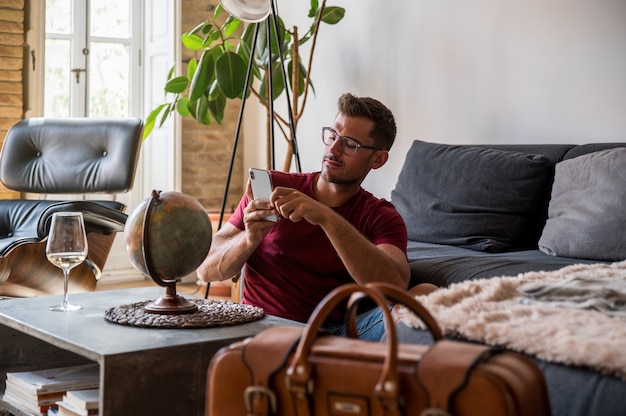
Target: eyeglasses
<point>348,145</point>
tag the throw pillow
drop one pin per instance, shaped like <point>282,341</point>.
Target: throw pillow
<point>586,217</point>
<point>470,196</point>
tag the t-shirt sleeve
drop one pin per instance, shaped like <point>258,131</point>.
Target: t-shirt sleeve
<point>237,218</point>
<point>389,229</point>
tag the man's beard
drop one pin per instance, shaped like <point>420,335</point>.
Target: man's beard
<point>337,179</point>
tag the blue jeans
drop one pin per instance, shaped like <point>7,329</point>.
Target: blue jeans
<point>370,326</point>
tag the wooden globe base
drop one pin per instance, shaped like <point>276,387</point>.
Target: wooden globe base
<point>171,304</point>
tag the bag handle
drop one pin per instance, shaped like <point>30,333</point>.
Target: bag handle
<point>299,371</point>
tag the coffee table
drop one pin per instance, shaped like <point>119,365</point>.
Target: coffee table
<point>143,371</point>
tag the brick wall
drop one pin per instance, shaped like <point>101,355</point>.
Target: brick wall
<point>207,149</point>
<point>11,64</point>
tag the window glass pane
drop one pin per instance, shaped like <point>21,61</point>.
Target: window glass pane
<point>59,16</point>
<point>57,78</point>
<point>110,18</point>
<point>109,80</point>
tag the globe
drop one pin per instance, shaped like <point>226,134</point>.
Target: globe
<point>179,236</point>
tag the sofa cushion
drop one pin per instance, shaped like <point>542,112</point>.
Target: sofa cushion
<point>443,265</point>
<point>586,213</point>
<point>474,197</point>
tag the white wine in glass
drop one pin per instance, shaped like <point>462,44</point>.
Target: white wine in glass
<point>66,248</point>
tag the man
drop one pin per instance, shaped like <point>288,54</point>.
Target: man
<point>330,232</point>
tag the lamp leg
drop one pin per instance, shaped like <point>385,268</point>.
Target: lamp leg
<point>270,90</point>
<point>294,143</point>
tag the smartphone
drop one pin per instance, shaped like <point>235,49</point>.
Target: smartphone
<point>262,187</point>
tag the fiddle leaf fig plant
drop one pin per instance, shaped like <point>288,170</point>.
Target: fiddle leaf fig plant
<point>219,74</point>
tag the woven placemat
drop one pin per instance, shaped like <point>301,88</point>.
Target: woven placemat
<point>210,313</point>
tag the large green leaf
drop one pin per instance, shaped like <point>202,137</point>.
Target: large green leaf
<point>231,26</point>
<point>169,108</point>
<point>151,119</point>
<point>211,37</point>
<point>214,90</point>
<point>333,15</point>
<point>217,52</point>
<point>245,48</point>
<point>202,77</point>
<point>216,107</point>
<point>277,83</point>
<point>314,7</point>
<point>230,71</point>
<point>182,106</point>
<point>192,41</point>
<point>201,110</point>
<point>200,27</point>
<point>248,34</point>
<point>206,27</point>
<point>192,66</point>
<point>176,85</point>
<point>262,54</point>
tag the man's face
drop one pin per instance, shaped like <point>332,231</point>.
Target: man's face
<point>339,168</point>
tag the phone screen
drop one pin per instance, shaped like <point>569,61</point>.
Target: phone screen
<point>262,187</point>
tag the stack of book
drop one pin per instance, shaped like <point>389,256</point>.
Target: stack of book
<point>36,392</point>
<point>80,403</point>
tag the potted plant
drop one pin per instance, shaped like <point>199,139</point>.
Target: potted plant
<point>220,72</point>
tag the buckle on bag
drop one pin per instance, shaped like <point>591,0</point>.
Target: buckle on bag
<point>252,390</point>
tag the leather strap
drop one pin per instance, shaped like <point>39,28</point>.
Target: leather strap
<point>299,371</point>
<point>264,355</point>
<point>445,369</point>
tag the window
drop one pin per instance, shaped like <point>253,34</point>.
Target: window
<point>92,65</point>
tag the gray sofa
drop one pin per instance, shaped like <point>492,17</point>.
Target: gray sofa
<point>480,211</point>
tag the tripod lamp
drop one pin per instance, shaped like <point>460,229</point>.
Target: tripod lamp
<point>255,11</point>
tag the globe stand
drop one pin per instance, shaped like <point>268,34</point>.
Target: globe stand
<point>171,303</point>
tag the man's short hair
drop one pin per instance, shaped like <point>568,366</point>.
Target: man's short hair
<point>384,130</point>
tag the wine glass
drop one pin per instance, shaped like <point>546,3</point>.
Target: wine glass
<point>66,248</point>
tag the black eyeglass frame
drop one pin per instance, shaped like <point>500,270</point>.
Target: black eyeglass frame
<point>346,139</point>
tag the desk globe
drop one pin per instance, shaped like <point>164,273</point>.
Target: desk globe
<point>175,241</point>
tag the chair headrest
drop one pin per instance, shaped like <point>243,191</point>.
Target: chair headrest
<point>71,155</point>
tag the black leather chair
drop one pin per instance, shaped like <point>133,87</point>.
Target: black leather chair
<point>66,159</point>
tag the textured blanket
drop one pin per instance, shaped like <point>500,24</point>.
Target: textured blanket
<point>569,329</point>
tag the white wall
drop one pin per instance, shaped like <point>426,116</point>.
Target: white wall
<point>481,71</point>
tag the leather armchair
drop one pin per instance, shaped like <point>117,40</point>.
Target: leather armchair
<point>70,160</point>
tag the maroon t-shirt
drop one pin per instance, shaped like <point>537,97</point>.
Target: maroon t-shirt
<point>295,265</point>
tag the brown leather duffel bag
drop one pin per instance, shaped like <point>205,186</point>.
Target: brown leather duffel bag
<point>295,371</point>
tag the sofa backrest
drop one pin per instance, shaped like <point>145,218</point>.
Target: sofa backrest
<point>556,153</point>
<point>532,226</point>
<point>584,149</point>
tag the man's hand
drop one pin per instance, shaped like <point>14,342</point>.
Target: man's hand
<point>364,261</point>
<point>254,214</point>
<point>231,247</point>
<point>295,205</point>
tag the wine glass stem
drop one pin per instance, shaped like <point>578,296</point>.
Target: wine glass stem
<point>66,283</point>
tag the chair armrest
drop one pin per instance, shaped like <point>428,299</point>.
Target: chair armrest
<point>102,217</point>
